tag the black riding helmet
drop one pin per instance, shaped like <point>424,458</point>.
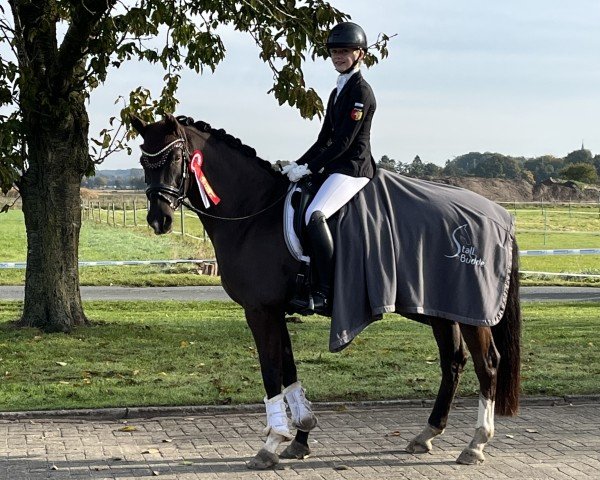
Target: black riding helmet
<point>347,35</point>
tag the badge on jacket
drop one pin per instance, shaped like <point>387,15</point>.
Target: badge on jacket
<point>357,112</point>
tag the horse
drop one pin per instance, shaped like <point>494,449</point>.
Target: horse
<point>241,207</point>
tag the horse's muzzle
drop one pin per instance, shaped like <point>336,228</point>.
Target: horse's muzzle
<point>159,218</point>
<point>161,227</point>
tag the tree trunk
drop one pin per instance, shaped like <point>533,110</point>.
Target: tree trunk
<point>58,156</point>
<point>55,124</point>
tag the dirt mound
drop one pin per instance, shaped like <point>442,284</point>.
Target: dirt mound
<point>502,190</point>
<point>495,189</point>
<point>88,194</point>
<point>564,192</point>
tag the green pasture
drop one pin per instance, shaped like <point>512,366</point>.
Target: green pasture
<point>196,353</point>
<point>577,226</point>
<point>554,227</point>
<point>100,241</point>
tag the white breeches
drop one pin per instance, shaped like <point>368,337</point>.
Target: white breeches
<point>335,192</point>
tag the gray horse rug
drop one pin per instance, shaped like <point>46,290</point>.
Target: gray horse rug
<point>417,247</point>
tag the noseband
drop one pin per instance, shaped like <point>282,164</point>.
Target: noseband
<point>173,196</point>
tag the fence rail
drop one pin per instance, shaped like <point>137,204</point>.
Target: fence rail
<point>560,251</point>
<point>212,267</point>
<point>103,263</point>
<point>133,214</point>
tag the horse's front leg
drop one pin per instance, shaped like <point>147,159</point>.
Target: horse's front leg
<point>265,325</point>
<point>453,357</point>
<point>303,418</point>
<point>486,360</point>
<point>278,369</point>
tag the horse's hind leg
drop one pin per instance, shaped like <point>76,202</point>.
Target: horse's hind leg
<point>486,360</point>
<point>453,357</point>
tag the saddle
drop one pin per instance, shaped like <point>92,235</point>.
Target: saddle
<point>300,198</point>
<point>305,191</point>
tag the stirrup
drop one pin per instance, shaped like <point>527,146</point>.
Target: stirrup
<point>321,304</point>
<point>301,305</point>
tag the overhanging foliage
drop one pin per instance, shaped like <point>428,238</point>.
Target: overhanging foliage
<point>102,35</point>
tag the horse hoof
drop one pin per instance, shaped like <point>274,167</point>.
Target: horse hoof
<point>416,446</point>
<point>470,456</point>
<point>263,460</point>
<point>296,451</point>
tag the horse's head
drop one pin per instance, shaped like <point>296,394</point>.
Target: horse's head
<point>164,159</point>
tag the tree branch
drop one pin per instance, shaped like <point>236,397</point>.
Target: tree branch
<point>75,44</point>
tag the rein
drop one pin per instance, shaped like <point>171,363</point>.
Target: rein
<point>216,217</point>
<point>180,193</point>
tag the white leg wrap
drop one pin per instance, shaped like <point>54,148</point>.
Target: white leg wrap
<point>277,420</point>
<point>485,415</point>
<point>273,441</point>
<point>303,417</point>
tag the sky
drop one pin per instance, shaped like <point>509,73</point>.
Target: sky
<point>518,77</point>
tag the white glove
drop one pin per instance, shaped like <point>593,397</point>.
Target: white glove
<point>285,170</point>
<point>298,172</point>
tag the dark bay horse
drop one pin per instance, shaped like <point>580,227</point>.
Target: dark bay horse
<point>241,207</point>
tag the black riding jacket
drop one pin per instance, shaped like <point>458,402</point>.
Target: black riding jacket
<point>344,143</point>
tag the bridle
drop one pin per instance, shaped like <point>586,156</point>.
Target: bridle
<point>157,160</point>
<point>175,197</point>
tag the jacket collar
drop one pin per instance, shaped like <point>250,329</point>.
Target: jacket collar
<point>352,80</point>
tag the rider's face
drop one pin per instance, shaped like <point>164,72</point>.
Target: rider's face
<point>344,58</point>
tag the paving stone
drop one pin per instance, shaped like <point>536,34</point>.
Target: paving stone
<point>546,442</point>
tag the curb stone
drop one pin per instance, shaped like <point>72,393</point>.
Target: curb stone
<point>169,411</point>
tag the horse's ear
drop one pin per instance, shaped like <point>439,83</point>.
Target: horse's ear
<point>171,121</point>
<point>138,124</point>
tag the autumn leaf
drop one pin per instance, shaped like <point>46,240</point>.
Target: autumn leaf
<point>128,428</point>
<point>150,451</point>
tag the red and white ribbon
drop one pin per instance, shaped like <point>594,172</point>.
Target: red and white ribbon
<point>206,190</point>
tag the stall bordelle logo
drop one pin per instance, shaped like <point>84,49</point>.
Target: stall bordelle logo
<point>465,250</point>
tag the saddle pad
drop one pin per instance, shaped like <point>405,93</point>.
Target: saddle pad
<point>412,246</point>
<point>291,239</point>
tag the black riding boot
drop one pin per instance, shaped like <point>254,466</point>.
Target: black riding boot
<point>321,266</point>
<point>321,261</point>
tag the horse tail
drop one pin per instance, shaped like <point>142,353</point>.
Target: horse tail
<point>507,337</point>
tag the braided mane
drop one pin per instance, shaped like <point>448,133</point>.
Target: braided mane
<point>225,137</point>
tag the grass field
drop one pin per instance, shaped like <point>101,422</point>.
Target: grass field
<point>178,353</point>
<point>551,228</point>
<point>167,353</point>
<point>103,242</point>
<point>557,228</point>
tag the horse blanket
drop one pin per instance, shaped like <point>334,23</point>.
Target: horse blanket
<point>417,247</point>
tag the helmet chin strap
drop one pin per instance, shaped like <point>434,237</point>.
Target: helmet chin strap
<point>350,69</point>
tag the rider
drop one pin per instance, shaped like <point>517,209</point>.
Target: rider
<point>342,152</point>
